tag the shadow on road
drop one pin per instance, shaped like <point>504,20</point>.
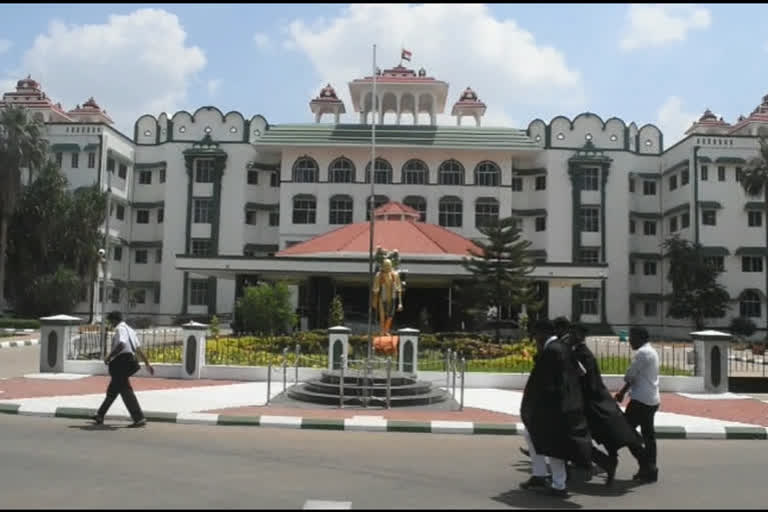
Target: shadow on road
<point>519,498</point>
<point>93,426</point>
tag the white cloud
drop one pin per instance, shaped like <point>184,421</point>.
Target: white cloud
<point>5,45</point>
<point>263,41</point>
<point>213,86</point>
<point>7,85</point>
<point>653,25</point>
<point>133,64</point>
<point>673,121</point>
<point>459,43</point>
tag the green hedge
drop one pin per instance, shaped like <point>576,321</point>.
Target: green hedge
<point>19,323</point>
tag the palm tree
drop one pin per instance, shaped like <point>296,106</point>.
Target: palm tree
<point>754,181</point>
<point>21,146</point>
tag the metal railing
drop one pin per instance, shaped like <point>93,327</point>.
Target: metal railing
<point>367,384</point>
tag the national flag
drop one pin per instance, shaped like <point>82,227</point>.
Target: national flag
<point>406,55</point>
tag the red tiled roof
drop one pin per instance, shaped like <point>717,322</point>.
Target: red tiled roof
<point>407,236</point>
<point>393,207</point>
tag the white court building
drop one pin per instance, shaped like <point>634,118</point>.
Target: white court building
<point>204,202</point>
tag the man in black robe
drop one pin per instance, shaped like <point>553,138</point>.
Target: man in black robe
<point>607,423</point>
<point>553,415</point>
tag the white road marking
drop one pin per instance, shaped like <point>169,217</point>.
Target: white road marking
<point>327,505</point>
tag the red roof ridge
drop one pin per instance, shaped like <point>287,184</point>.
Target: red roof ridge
<point>287,250</point>
<point>419,225</point>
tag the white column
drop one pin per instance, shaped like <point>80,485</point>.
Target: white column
<point>336,116</point>
<point>362,117</point>
<point>408,340</point>
<point>193,357</point>
<point>338,337</point>
<point>398,99</point>
<point>477,120</point>
<point>458,120</point>
<point>56,336</point>
<point>318,115</point>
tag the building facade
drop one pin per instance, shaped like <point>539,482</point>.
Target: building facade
<point>202,200</point>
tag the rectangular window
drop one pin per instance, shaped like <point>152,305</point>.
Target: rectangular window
<point>751,263</point>
<point>157,295</point>
<point>142,216</point>
<point>274,218</point>
<point>111,165</point>
<point>253,177</point>
<point>672,224</point>
<point>685,177</point>
<point>649,228</point>
<point>517,184</point>
<point>541,182</point>
<point>162,175</point>
<point>274,179</point>
<point>158,256</point>
<point>589,179</point>
<point>541,223</point>
<point>122,171</point>
<point>685,220</point>
<point>120,212</point>
<point>59,158</point>
<point>75,160</point>
<point>198,292</point>
<point>738,174</point>
<point>649,268</point>
<point>250,217</point>
<point>650,308</point>
<point>632,227</point>
<point>704,173</point>
<point>709,217</point>
<point>141,256</point>
<point>721,173</point>
<point>716,262</point>
<point>649,188</point>
<point>140,296</point>
<point>589,255</point>
<point>517,224</point>
<point>632,267</point>
<point>145,178</point>
<point>754,219</point>
<point>201,247</point>
<point>160,215</point>
<point>203,171</point>
<point>588,301</point>
<point>91,160</point>
<point>340,210</point>
<point>114,295</point>
<point>673,182</point>
<point>590,220</point>
<point>117,253</point>
<point>203,211</point>
<point>631,185</point>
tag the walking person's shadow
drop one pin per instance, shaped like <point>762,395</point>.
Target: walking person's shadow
<point>93,426</point>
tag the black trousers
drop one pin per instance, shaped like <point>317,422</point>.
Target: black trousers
<point>642,415</point>
<point>121,385</point>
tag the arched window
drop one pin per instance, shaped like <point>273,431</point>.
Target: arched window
<point>341,170</point>
<point>304,209</point>
<point>451,172</point>
<point>749,304</point>
<point>417,203</point>
<point>382,174</point>
<point>340,210</point>
<point>377,202</point>
<point>415,172</point>
<point>450,209</point>
<point>486,211</point>
<point>487,174</point>
<point>305,170</point>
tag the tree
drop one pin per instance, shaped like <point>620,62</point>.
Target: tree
<point>53,239</point>
<point>696,294</point>
<point>754,181</point>
<point>266,309</point>
<point>336,313</point>
<point>21,146</point>
<point>500,270</point>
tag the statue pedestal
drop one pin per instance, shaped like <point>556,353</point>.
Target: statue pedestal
<point>408,361</point>
<point>386,345</point>
<point>338,347</point>
<point>711,352</point>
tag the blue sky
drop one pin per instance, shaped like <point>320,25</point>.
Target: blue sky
<point>661,64</point>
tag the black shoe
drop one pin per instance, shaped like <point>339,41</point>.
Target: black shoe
<point>557,493</point>
<point>535,482</point>
<point>647,475</point>
<point>138,424</point>
<point>525,452</point>
<point>98,420</point>
<point>611,471</point>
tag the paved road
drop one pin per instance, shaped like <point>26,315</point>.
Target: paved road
<point>62,463</point>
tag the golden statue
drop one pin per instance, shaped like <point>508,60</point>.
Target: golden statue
<point>387,295</point>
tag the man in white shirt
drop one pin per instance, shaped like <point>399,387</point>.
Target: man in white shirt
<point>642,381</point>
<point>123,362</point>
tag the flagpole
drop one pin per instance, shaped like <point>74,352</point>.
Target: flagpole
<point>371,203</point>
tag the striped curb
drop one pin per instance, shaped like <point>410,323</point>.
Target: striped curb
<point>361,424</point>
<point>21,343</point>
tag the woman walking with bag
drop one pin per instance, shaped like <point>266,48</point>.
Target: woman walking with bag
<point>123,363</point>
